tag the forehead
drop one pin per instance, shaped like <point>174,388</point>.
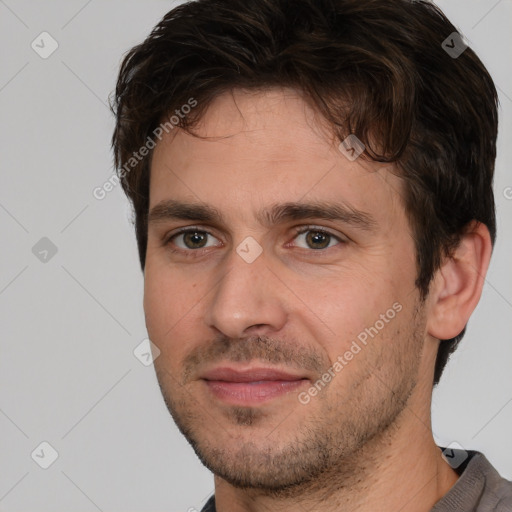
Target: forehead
<point>265,147</point>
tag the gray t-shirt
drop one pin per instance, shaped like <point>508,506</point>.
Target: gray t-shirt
<point>479,488</point>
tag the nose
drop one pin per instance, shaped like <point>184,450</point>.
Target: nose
<point>248,300</point>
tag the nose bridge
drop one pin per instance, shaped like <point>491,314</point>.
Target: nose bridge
<point>246,295</point>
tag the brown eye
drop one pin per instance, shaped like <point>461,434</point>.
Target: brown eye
<point>317,239</point>
<point>190,240</point>
<point>194,239</point>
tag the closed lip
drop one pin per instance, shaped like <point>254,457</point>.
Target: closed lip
<point>249,375</point>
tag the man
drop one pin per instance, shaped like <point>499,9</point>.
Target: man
<point>312,187</point>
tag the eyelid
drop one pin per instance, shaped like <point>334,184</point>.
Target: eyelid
<point>301,229</point>
<point>167,238</point>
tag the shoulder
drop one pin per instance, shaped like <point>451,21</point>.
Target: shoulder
<point>480,488</point>
<point>497,490</point>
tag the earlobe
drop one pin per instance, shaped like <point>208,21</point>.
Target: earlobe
<point>458,284</point>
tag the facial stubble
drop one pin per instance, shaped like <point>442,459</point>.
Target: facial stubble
<point>328,443</point>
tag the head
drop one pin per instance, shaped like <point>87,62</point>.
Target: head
<point>240,107</point>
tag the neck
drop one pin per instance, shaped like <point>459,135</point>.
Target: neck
<point>402,469</point>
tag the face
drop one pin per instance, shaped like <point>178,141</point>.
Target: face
<point>290,330</point>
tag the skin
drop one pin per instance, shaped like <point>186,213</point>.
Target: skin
<point>364,442</point>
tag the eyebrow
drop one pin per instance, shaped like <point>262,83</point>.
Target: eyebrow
<point>171,209</point>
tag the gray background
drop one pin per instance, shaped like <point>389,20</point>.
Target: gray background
<point>68,375</point>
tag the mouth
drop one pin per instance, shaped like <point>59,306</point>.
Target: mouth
<point>251,386</point>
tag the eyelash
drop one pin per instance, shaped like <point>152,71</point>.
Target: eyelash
<point>297,231</point>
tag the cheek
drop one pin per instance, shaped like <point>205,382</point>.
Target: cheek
<point>162,303</point>
<point>154,299</point>
<point>170,311</point>
<point>354,310</point>
<point>165,294</point>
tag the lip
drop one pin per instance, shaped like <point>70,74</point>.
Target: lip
<point>251,386</point>
<point>249,375</point>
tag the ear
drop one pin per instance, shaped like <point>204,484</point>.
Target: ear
<point>457,285</point>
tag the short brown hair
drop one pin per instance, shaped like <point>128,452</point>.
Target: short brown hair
<point>373,68</point>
